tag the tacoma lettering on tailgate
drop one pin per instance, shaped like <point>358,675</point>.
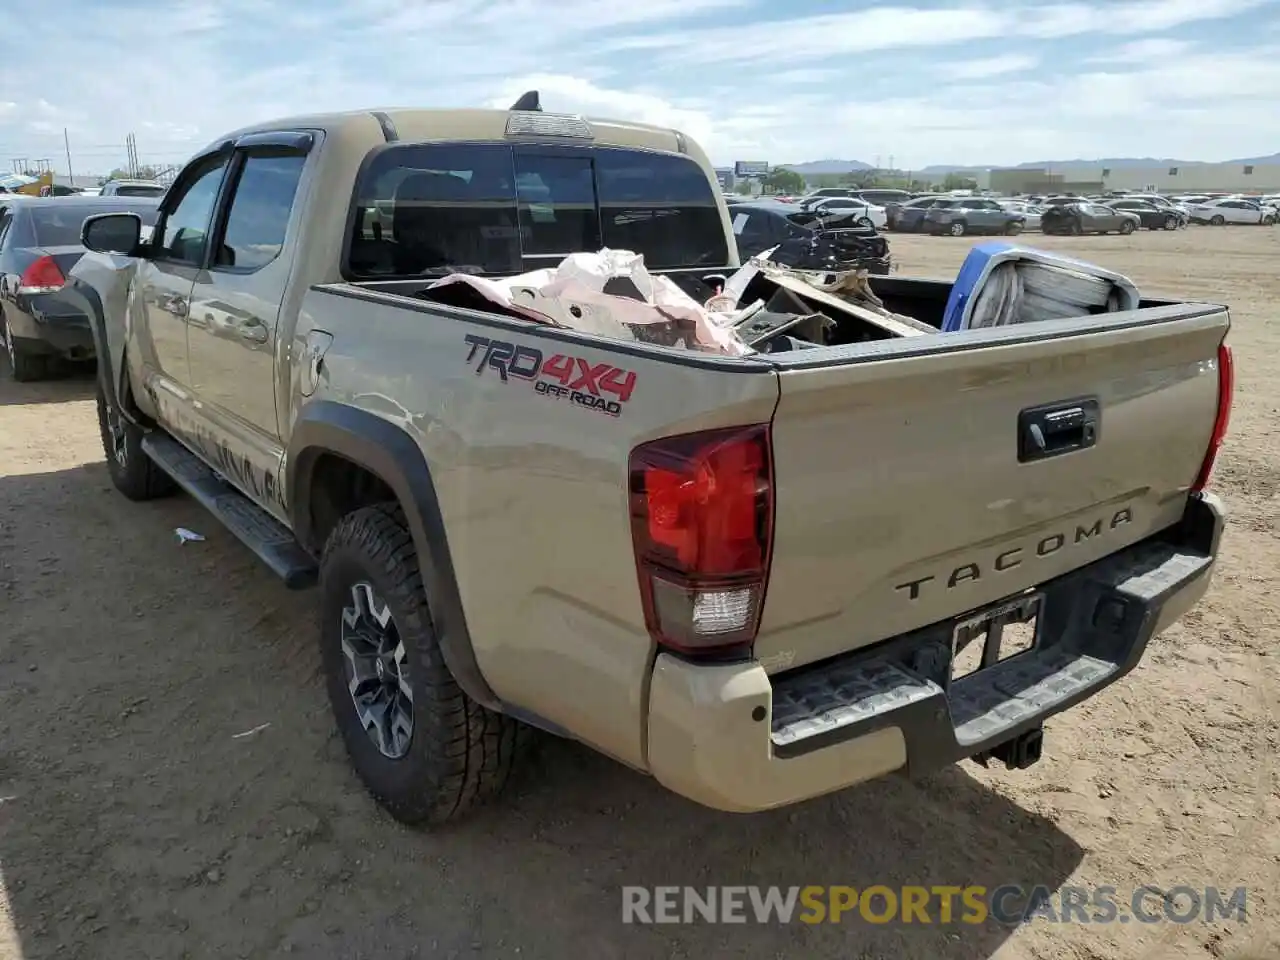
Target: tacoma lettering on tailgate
<point>562,376</point>
<point>1015,556</point>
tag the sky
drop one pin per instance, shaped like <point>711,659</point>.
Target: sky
<point>966,82</point>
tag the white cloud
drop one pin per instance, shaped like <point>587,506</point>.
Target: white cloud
<point>990,67</point>
<point>955,81</point>
<point>1149,50</point>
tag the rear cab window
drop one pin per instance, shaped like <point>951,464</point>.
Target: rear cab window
<point>498,209</point>
<point>139,191</point>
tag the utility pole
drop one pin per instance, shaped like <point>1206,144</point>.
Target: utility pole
<point>66,142</point>
<point>891,161</point>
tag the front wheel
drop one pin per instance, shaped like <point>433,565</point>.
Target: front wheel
<point>1013,229</point>
<point>957,229</point>
<point>1126,228</point>
<point>1171,223</point>
<point>1268,221</point>
<point>424,750</point>
<point>864,222</point>
<point>132,472</point>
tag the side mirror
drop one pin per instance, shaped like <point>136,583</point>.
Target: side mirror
<point>119,233</point>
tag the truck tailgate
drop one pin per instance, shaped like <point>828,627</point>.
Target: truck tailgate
<point>919,479</point>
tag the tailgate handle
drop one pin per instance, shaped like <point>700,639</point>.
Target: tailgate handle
<point>1057,428</point>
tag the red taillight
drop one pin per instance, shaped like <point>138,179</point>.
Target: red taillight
<point>1226,391</point>
<point>43,276</point>
<point>702,527</point>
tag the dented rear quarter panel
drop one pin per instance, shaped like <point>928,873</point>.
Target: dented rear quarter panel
<point>533,488</point>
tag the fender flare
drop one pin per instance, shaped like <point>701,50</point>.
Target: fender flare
<point>384,449</point>
<point>92,308</point>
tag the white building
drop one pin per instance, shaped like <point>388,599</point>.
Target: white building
<point>1261,178</point>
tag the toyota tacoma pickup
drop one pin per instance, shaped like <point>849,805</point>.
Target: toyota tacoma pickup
<point>751,577</point>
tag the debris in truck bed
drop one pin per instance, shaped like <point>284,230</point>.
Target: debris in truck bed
<point>1003,283</point>
<point>843,293</point>
<point>610,294</point>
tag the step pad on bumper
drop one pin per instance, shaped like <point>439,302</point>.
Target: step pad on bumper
<point>847,693</point>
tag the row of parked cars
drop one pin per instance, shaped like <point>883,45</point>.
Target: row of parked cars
<point>955,215</point>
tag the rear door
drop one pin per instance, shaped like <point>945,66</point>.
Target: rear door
<point>902,497</point>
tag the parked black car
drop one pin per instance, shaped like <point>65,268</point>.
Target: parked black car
<point>39,244</point>
<point>761,226</point>
<point>1085,217</point>
<point>1151,216</point>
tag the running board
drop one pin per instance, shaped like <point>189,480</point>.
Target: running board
<point>253,526</point>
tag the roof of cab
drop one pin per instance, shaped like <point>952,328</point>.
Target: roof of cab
<point>418,126</point>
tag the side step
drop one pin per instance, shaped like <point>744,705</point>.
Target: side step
<point>253,526</point>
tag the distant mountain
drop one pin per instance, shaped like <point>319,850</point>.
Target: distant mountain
<point>817,168</point>
<point>1118,163</point>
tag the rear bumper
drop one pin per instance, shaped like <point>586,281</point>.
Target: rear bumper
<point>733,738</point>
<point>47,325</point>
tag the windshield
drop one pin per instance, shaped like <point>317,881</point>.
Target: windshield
<point>58,223</point>
<point>429,209</point>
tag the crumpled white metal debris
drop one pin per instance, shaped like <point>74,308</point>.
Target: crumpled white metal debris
<point>609,293</point>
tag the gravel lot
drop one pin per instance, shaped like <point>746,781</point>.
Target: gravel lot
<point>134,823</point>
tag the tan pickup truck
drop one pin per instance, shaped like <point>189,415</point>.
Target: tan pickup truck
<point>752,577</point>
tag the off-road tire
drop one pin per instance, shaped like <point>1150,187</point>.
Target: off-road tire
<point>24,367</point>
<point>132,471</point>
<point>460,753</point>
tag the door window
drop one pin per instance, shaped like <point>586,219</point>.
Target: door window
<point>260,210</point>
<point>186,228</point>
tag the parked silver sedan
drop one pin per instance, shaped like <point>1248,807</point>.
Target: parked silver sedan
<point>1028,210</point>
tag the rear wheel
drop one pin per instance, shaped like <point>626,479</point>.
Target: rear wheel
<point>957,229</point>
<point>24,366</point>
<point>425,750</point>
<point>1013,229</point>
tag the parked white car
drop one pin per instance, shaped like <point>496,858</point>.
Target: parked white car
<point>863,211</point>
<point>1229,210</point>
<point>1028,210</point>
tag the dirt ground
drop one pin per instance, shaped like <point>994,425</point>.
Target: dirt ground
<point>135,823</point>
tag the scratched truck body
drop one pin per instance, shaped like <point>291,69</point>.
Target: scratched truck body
<point>748,577</point>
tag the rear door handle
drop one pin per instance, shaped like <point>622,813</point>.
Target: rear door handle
<point>1053,429</point>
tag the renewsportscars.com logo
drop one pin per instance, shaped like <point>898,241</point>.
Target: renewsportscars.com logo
<point>1008,905</point>
<point>601,387</point>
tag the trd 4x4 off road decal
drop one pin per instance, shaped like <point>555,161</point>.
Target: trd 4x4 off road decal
<point>562,376</point>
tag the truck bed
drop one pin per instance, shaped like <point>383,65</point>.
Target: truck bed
<point>902,493</point>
